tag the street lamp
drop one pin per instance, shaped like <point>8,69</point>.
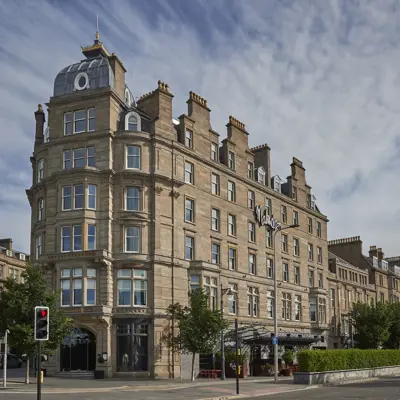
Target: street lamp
<point>275,301</point>
<point>5,358</point>
<point>223,292</point>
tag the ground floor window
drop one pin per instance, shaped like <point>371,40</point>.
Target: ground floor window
<point>132,345</point>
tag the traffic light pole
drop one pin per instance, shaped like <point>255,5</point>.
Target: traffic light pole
<point>39,370</point>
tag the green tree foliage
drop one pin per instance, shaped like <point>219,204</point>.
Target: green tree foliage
<point>17,304</point>
<point>199,328</point>
<point>393,341</point>
<point>372,324</point>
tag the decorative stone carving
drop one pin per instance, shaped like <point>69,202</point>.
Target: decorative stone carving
<point>175,193</point>
<point>158,189</point>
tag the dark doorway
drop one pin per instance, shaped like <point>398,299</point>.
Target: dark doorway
<point>78,351</point>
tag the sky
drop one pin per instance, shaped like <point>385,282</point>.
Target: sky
<point>317,80</point>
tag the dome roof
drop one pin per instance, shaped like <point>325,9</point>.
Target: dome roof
<point>92,73</point>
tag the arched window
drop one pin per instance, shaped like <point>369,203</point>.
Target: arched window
<point>132,122</point>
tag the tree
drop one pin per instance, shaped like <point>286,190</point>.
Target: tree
<point>199,328</point>
<point>393,341</point>
<point>372,324</point>
<point>17,304</point>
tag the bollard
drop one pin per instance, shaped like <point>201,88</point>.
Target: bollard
<point>41,376</point>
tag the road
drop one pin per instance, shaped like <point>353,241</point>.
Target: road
<point>384,389</point>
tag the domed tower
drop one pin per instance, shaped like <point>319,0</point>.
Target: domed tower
<point>94,201</point>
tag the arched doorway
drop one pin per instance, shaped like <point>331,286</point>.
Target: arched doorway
<point>78,351</point>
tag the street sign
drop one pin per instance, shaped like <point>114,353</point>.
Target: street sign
<point>274,340</point>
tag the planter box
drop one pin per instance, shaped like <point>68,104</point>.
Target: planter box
<point>321,378</point>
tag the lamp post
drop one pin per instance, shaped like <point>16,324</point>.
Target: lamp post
<point>275,302</point>
<point>223,292</point>
<point>5,358</point>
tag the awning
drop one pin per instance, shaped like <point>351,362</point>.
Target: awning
<point>258,335</point>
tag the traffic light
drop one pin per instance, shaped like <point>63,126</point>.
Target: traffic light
<point>41,323</point>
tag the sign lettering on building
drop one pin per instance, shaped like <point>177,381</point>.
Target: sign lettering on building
<point>264,219</point>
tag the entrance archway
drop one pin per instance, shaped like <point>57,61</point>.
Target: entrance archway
<point>78,351</point>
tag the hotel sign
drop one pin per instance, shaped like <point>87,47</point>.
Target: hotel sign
<point>264,219</point>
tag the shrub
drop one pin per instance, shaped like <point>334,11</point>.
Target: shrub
<point>333,360</point>
<point>288,357</point>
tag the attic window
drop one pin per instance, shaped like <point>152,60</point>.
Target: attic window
<point>132,122</point>
<point>261,175</point>
<point>128,98</point>
<point>81,81</point>
<point>277,184</point>
<point>313,200</point>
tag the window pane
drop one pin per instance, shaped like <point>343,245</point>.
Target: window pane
<point>79,158</point>
<point>91,237</point>
<point>139,273</point>
<point>65,293</point>
<point>124,292</point>
<point>132,239</point>
<point>90,156</point>
<point>140,293</point>
<point>132,198</point>
<point>133,157</point>
<point>80,121</point>
<point>91,272</point>
<point>92,196</point>
<point>91,292</point>
<point>78,196</point>
<point>77,291</point>
<point>77,237</point>
<point>124,273</point>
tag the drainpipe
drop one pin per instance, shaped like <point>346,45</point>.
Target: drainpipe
<point>173,254</point>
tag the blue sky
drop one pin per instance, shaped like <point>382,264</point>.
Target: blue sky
<point>318,80</point>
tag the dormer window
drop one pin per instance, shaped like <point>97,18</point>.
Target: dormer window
<point>128,97</point>
<point>261,175</point>
<point>294,193</point>
<point>47,135</point>
<point>231,160</point>
<point>277,183</point>
<point>189,138</point>
<point>132,122</point>
<point>250,170</point>
<point>313,200</point>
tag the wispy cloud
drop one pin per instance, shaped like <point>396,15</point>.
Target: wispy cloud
<point>318,80</point>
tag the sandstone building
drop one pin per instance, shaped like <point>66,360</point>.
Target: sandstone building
<point>347,285</point>
<point>350,249</point>
<point>132,207</point>
<point>12,262</point>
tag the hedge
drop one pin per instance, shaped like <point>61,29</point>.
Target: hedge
<point>333,360</point>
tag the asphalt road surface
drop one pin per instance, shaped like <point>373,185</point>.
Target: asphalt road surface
<point>384,389</point>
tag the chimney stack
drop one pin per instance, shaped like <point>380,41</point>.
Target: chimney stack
<point>7,243</point>
<point>40,120</point>
<point>381,255</point>
<point>373,251</point>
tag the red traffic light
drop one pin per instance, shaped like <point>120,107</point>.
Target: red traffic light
<point>43,313</point>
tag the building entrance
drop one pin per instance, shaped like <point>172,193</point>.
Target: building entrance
<point>78,351</point>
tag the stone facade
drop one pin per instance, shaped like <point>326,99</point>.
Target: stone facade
<point>350,249</point>
<point>348,284</point>
<point>12,262</point>
<point>139,196</point>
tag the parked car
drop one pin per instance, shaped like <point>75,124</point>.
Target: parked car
<point>12,361</point>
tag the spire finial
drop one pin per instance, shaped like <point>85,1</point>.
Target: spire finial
<point>97,27</point>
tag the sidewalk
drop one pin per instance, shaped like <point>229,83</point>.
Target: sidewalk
<point>164,390</point>
<point>57,385</point>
